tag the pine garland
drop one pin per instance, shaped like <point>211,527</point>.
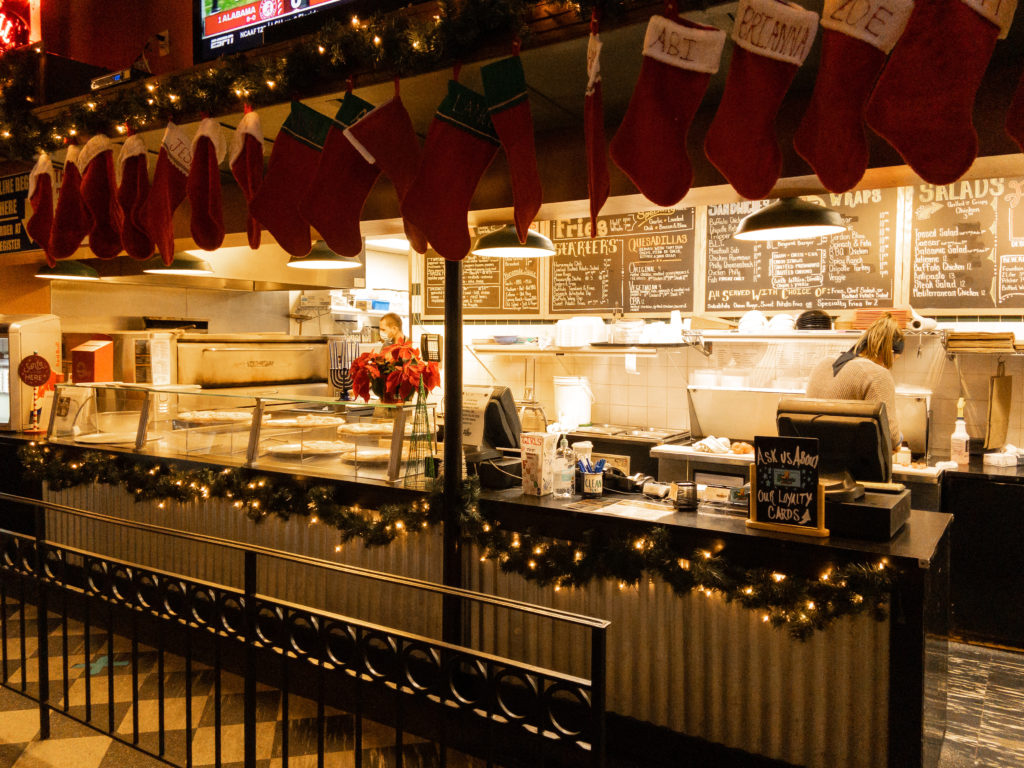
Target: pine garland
<point>398,44</point>
<point>802,605</point>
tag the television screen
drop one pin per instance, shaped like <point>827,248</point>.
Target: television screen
<point>227,26</point>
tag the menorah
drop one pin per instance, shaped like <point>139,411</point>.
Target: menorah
<point>343,352</point>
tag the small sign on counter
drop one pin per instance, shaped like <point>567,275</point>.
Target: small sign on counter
<point>785,493</point>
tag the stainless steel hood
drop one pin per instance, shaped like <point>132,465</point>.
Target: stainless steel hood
<point>236,267</point>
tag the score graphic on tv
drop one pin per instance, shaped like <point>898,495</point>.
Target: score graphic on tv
<point>225,26</point>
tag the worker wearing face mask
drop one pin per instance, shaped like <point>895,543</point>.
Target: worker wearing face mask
<point>391,329</point>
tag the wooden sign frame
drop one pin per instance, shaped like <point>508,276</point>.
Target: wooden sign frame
<point>819,531</point>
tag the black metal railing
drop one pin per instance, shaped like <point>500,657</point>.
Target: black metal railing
<point>458,699</point>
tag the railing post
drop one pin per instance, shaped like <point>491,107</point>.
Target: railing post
<point>42,630</point>
<point>451,607</point>
<point>598,682</point>
<point>249,713</point>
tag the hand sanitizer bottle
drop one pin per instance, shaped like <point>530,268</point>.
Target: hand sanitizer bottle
<point>565,471</point>
<point>959,440</point>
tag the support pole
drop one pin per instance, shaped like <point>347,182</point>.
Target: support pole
<point>452,466</point>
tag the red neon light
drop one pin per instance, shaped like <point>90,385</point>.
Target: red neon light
<point>14,29</point>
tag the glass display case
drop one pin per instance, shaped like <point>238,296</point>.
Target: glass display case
<point>307,435</point>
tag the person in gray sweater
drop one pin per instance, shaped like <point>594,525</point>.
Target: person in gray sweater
<point>863,372</point>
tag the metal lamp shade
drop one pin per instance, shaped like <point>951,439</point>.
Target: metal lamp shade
<point>504,244</point>
<point>790,219</point>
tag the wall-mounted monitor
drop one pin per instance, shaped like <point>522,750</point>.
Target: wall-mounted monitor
<point>228,26</point>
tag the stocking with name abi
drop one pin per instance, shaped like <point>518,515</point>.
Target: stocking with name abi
<point>650,145</point>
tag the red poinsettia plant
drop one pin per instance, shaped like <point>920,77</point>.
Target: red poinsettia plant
<point>393,374</point>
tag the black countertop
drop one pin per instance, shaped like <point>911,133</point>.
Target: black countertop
<point>917,541</point>
<point>978,469</point>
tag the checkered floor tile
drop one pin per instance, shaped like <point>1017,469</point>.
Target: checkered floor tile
<point>88,684</point>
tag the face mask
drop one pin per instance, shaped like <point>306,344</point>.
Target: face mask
<point>385,336</point>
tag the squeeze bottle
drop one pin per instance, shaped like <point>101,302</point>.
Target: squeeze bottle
<point>958,441</point>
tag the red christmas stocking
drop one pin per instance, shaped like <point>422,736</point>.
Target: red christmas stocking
<point>772,40</point>
<point>293,162</point>
<point>460,145</point>
<point>343,179</point>
<point>170,180</point>
<point>246,160</point>
<point>855,41</point>
<point>99,193</point>
<point>598,181</point>
<point>131,196</point>
<point>71,220</point>
<point>505,90</point>
<point>923,101</point>
<point>385,137</point>
<point>650,145</point>
<point>204,194</point>
<point>39,223</point>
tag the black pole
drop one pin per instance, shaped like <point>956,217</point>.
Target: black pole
<point>452,466</point>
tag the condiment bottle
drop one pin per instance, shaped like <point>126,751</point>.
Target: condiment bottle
<point>565,471</point>
<point>959,440</point>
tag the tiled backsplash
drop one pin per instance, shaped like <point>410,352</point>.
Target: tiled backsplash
<point>655,395</point>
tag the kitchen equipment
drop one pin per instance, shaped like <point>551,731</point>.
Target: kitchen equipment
<point>686,496</point>
<point>239,359</point>
<point>630,443</point>
<point>573,397</point>
<point>22,336</point>
<point>146,357</point>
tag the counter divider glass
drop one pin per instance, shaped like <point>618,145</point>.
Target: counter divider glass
<point>317,436</point>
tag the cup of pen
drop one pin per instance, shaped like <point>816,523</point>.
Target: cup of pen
<point>593,478</point>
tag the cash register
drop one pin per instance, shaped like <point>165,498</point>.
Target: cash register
<point>855,464</point>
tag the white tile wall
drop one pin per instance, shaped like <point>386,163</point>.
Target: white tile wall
<point>656,395</point>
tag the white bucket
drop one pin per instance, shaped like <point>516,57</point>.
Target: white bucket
<point>572,400</point>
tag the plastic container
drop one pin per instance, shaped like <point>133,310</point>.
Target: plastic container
<point>903,456</point>
<point>959,441</point>
<point>593,485</point>
<point>573,398</point>
<point>565,471</point>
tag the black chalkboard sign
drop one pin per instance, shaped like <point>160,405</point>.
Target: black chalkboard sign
<point>639,262</point>
<point>785,494</point>
<point>967,245</point>
<point>13,196</point>
<point>845,271</point>
<point>490,286</point>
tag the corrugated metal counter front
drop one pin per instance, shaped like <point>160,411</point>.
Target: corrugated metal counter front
<point>693,664</point>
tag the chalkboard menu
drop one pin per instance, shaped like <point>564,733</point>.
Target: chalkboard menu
<point>845,271</point>
<point>490,286</point>
<point>967,247</point>
<point>639,262</point>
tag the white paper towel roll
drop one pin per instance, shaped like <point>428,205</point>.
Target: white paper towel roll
<point>919,323</point>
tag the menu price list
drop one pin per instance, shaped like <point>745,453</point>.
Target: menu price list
<point>489,285</point>
<point>845,271</point>
<point>968,244</point>
<point>639,262</point>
